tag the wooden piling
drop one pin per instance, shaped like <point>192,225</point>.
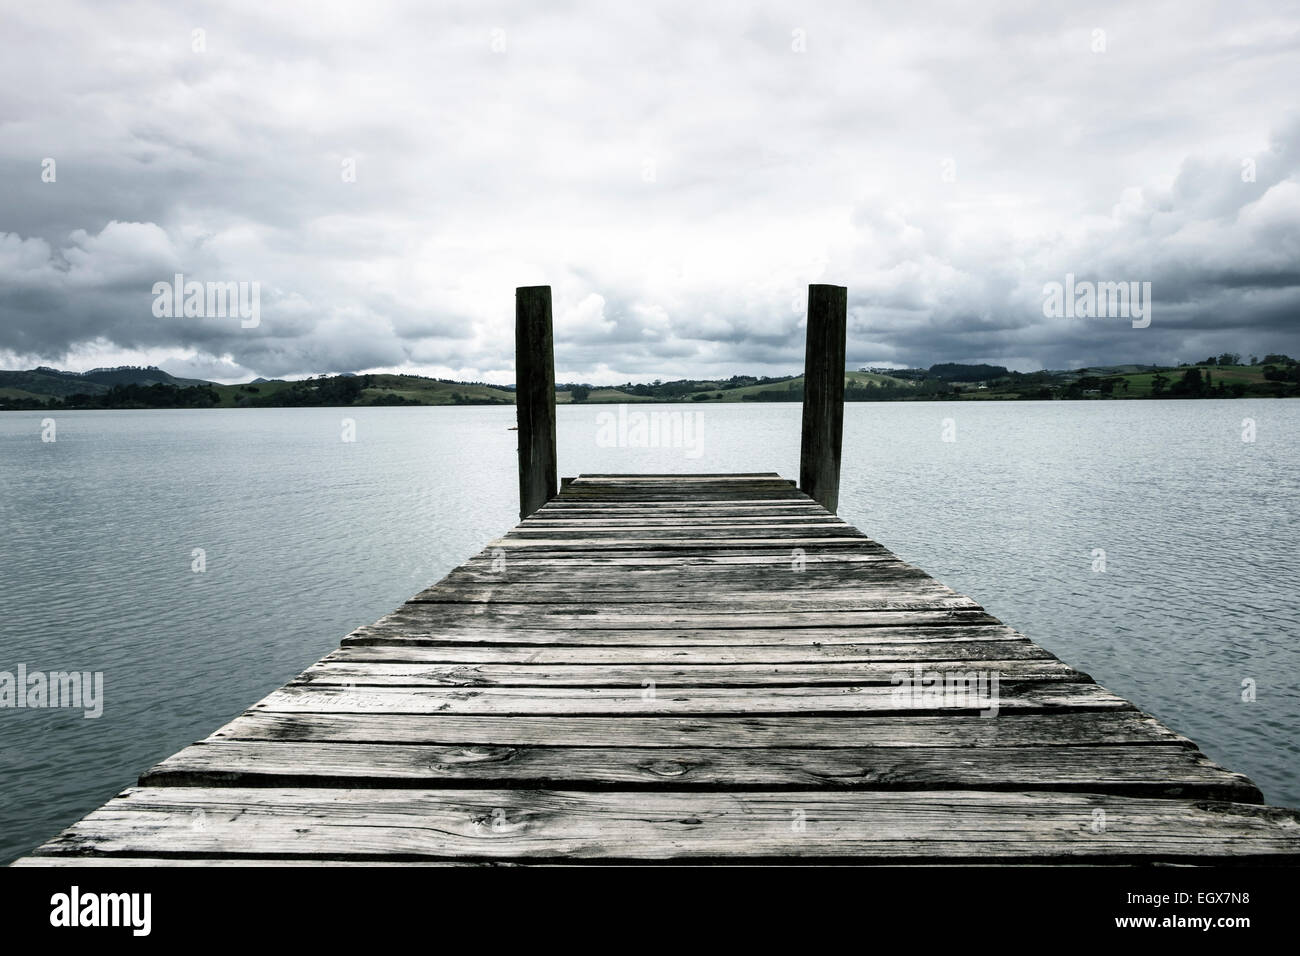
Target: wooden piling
<point>535,398</point>
<point>823,395</point>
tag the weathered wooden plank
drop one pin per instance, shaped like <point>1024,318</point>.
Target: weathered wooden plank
<point>518,824</point>
<point>553,579</point>
<point>686,497</point>
<point>671,533</point>
<point>696,491</point>
<point>401,629</point>
<point>721,559</point>
<point>702,495</point>
<point>570,500</point>
<point>867,596</point>
<point>633,655</point>
<point>704,530</point>
<point>562,509</point>
<point>649,700</point>
<point>832,558</point>
<point>783,576</point>
<point>674,479</point>
<point>152,862</point>
<point>872,585</point>
<point>551,523</point>
<point>532,674</point>
<point>1066,728</point>
<point>755,608</point>
<point>448,619</point>
<point>670,529</point>
<point>646,542</point>
<point>789,571</point>
<point>684,519</point>
<point>1143,771</point>
<point>681,484</point>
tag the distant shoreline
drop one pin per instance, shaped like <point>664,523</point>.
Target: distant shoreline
<point>913,401</point>
<point>47,389</point>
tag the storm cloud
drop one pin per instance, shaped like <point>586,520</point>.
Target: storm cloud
<point>678,173</point>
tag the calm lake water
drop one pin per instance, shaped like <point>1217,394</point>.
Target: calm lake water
<point>306,537</point>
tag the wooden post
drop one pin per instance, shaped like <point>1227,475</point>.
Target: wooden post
<point>823,395</point>
<point>535,397</point>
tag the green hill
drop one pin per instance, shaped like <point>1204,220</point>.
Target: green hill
<point>46,382</point>
<point>131,387</point>
<point>369,390</point>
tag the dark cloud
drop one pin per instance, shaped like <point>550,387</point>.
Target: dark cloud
<point>678,174</point>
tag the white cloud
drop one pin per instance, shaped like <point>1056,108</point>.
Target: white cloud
<point>477,171</point>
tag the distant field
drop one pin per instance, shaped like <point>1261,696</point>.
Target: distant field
<point>1139,384</point>
<point>602,395</point>
<point>19,393</point>
<point>426,391</point>
<point>858,379</point>
<point>231,395</point>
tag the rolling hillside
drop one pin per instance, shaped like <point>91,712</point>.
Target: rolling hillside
<point>131,387</point>
<point>43,382</point>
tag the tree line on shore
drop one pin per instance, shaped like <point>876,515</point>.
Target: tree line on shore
<point>1222,376</point>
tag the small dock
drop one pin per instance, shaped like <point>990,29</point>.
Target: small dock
<point>708,668</point>
<point>697,668</point>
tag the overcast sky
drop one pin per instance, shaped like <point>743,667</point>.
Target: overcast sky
<point>677,172</point>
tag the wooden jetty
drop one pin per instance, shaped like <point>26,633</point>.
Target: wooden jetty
<point>703,668</point>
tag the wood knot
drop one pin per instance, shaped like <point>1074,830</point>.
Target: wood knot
<point>451,758</point>
<point>666,768</point>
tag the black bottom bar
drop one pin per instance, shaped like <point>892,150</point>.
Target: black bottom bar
<point>722,904</point>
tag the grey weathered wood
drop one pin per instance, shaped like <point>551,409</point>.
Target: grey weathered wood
<point>624,655</point>
<point>669,668</point>
<point>1146,771</point>
<point>686,527</point>
<point>403,631</point>
<point>774,599</point>
<point>1066,728</point>
<point>612,701</point>
<point>661,673</point>
<point>788,573</point>
<point>152,862</point>
<point>685,561</point>
<point>535,398</point>
<point>643,542</point>
<point>823,395</point>
<point>538,825</point>
<point>500,622</point>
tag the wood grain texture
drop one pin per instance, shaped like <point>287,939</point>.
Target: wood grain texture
<point>1065,728</point>
<point>635,655</point>
<point>646,699</point>
<point>1152,771</point>
<point>916,627</point>
<point>623,674</point>
<point>823,394</point>
<point>535,398</point>
<point>809,826</point>
<point>699,669</point>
